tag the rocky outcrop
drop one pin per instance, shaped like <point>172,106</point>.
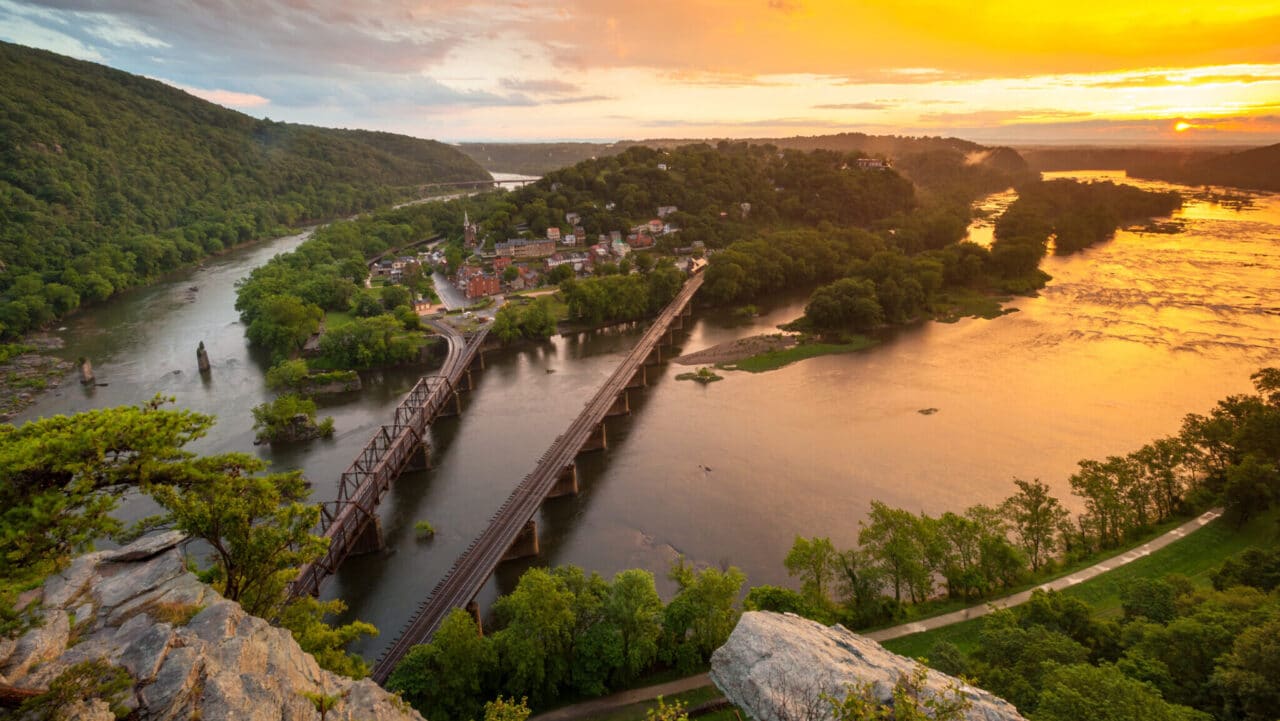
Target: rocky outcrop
<point>777,667</point>
<point>190,652</point>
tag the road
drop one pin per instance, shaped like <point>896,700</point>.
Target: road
<point>452,298</point>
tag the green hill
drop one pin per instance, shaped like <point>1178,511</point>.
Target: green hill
<point>1256,169</point>
<point>109,179</point>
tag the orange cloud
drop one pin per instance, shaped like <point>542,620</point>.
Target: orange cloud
<point>989,38</point>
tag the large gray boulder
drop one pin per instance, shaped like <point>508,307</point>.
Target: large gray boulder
<point>190,652</point>
<point>777,667</point>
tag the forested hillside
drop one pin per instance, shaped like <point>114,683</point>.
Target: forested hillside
<point>1254,169</point>
<point>108,179</point>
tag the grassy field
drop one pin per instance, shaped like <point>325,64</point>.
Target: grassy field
<point>336,319</point>
<point>1195,556</point>
<point>774,359</point>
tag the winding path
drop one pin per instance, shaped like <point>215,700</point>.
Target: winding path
<point>606,704</point>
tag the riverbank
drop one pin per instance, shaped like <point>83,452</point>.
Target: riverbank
<point>27,370</point>
<point>766,352</point>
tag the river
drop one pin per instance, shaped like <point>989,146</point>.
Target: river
<point>1128,337</point>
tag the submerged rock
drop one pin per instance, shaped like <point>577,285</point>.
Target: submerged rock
<point>777,667</point>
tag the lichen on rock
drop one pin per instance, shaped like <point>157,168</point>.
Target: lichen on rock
<point>221,664</point>
<point>778,667</point>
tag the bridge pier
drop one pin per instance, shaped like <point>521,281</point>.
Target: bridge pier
<point>567,483</point>
<point>473,608</point>
<point>479,359</point>
<point>419,458</point>
<point>466,382</point>
<point>525,545</point>
<point>621,405</point>
<point>452,405</point>
<point>370,539</point>
<point>639,380</point>
<point>655,356</point>
<point>597,441</point>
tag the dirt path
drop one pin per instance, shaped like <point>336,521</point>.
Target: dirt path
<point>613,702</point>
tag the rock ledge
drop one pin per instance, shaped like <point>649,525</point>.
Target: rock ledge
<point>776,666</point>
<point>128,608</point>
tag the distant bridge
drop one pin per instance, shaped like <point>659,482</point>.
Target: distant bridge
<point>512,532</point>
<point>351,523</point>
<point>476,184</point>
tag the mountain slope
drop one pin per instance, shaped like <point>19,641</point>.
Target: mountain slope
<point>108,179</point>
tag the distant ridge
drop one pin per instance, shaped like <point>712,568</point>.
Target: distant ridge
<point>109,179</point>
<point>539,158</point>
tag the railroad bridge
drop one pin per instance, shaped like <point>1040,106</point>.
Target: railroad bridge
<point>351,523</point>
<point>512,532</point>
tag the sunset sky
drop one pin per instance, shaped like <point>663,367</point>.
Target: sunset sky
<point>1093,71</point>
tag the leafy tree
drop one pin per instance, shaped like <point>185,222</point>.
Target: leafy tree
<point>64,475</point>
<point>501,709</point>
<point>445,679</point>
<point>703,613</point>
<point>845,305</point>
<point>257,526</point>
<point>892,540</point>
<point>674,711</point>
<point>1255,567</point>
<point>1036,517</point>
<point>1078,691</point>
<point>283,324</point>
<point>1249,676</point>
<point>634,609</point>
<point>910,702</point>
<point>815,561</point>
<point>1149,598</point>
<point>365,304</point>
<point>395,296</point>
<point>778,600</point>
<point>304,618</point>
<point>287,375</point>
<point>289,418</point>
<point>533,647</point>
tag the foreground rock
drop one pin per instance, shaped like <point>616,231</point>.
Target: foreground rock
<point>777,666</point>
<point>190,652</point>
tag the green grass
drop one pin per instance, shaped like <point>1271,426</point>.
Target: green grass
<point>336,319</point>
<point>1197,556</point>
<point>957,303</point>
<point>774,359</point>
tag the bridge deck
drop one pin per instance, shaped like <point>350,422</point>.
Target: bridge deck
<point>362,486</point>
<point>473,568</point>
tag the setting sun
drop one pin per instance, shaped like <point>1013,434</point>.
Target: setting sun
<point>1182,126</point>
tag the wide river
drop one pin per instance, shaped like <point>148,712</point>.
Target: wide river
<point>1128,338</point>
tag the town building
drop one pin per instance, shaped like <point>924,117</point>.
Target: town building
<point>469,230</point>
<point>520,248</point>
<point>665,210</point>
<point>872,164</point>
<point>553,234</point>
<point>483,284</point>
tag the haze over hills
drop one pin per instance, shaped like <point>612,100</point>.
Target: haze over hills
<point>1256,168</point>
<point>108,179</point>
<point>539,158</point>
